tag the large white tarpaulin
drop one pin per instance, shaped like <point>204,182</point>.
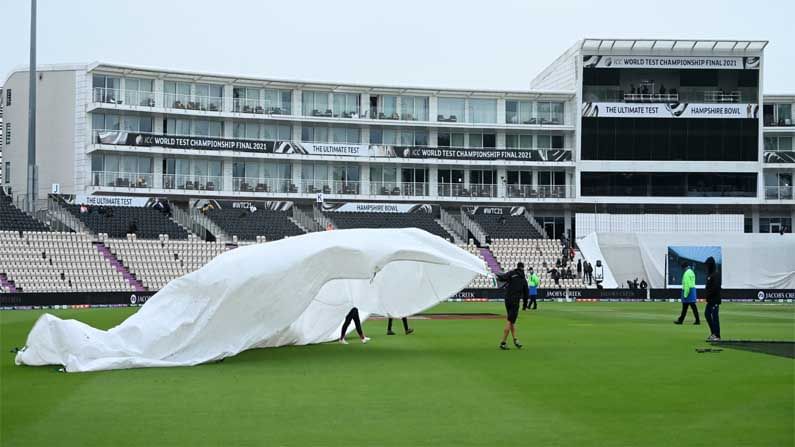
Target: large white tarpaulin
<point>294,291</point>
<point>749,261</point>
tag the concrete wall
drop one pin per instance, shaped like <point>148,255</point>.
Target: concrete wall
<point>55,128</point>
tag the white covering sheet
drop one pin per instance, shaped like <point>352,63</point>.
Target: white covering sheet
<point>290,292</point>
<point>749,261</point>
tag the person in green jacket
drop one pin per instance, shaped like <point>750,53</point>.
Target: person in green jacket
<point>533,282</point>
<point>688,294</point>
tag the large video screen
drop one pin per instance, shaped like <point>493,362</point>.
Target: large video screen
<point>695,256</point>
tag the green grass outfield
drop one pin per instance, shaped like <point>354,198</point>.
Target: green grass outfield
<point>591,374</point>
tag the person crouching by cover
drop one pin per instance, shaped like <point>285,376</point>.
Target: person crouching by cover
<point>406,327</point>
<point>688,294</point>
<point>712,295</point>
<point>516,290</point>
<point>353,315</point>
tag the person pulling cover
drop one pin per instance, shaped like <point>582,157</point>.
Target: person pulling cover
<point>406,327</point>
<point>712,295</point>
<point>353,315</point>
<point>688,294</point>
<point>516,289</point>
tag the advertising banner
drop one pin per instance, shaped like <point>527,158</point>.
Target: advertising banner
<point>231,144</point>
<point>779,157</point>
<point>94,299</point>
<point>496,210</point>
<point>83,199</point>
<point>672,110</point>
<point>445,153</point>
<point>675,62</point>
<point>336,149</point>
<point>361,207</point>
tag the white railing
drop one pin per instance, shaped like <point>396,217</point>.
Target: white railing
<point>262,184</point>
<point>651,97</point>
<point>779,192</point>
<point>331,187</point>
<point>722,96</point>
<point>454,224</point>
<point>473,190</point>
<point>193,102</point>
<point>243,105</point>
<point>122,179</point>
<point>381,188</point>
<point>538,191</point>
<point>332,113</point>
<point>127,97</point>
<point>190,182</point>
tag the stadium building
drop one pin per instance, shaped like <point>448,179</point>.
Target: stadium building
<point>612,127</point>
<point>646,123</point>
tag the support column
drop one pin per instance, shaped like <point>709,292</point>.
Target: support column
<point>433,181</point>
<point>502,180</point>
<point>755,216</point>
<point>227,172</point>
<point>157,171</point>
<point>364,179</point>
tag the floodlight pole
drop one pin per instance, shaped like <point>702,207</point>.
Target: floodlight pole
<point>32,110</point>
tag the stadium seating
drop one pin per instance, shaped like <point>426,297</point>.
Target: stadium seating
<point>12,218</point>
<point>247,226</point>
<point>502,227</point>
<point>156,262</point>
<point>481,281</point>
<point>115,221</point>
<point>56,262</point>
<point>541,254</point>
<point>424,221</point>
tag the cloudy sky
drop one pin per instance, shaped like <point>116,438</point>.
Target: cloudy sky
<point>497,44</point>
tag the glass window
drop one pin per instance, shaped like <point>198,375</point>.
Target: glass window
<point>519,112</point>
<point>346,105</point>
<point>387,107</point>
<point>216,129</point>
<point>315,103</point>
<point>201,128</point>
<point>482,110</point>
<point>451,109</point>
<point>414,108</point>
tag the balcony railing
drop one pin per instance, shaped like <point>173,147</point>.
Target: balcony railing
<point>551,120</point>
<point>193,102</point>
<point>538,191</point>
<point>262,184</point>
<point>331,113</point>
<point>128,97</point>
<point>121,179</point>
<point>243,105</point>
<point>779,192</point>
<point>473,190</point>
<point>681,94</point>
<point>190,182</point>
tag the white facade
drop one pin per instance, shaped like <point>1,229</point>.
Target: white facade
<point>533,138</point>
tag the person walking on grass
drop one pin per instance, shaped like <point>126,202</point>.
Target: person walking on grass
<point>712,296</point>
<point>516,289</point>
<point>406,327</point>
<point>688,294</point>
<point>353,315</point>
<point>533,282</point>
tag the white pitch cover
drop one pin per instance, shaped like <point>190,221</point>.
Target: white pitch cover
<point>295,291</point>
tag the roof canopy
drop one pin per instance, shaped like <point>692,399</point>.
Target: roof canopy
<point>674,46</point>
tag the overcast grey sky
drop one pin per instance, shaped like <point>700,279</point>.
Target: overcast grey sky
<point>459,43</point>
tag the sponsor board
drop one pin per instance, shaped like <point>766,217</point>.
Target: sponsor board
<point>675,62</point>
<point>329,149</point>
<point>70,299</point>
<point>83,199</point>
<point>669,110</point>
<point>363,207</point>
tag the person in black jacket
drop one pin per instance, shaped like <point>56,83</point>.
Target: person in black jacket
<point>712,295</point>
<point>515,290</point>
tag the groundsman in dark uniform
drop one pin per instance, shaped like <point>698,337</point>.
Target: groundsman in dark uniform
<point>515,291</point>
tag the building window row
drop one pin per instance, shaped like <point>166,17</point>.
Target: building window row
<point>210,97</point>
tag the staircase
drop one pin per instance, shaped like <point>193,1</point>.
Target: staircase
<point>7,283</point>
<point>456,238</point>
<point>494,266</point>
<point>105,252</point>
